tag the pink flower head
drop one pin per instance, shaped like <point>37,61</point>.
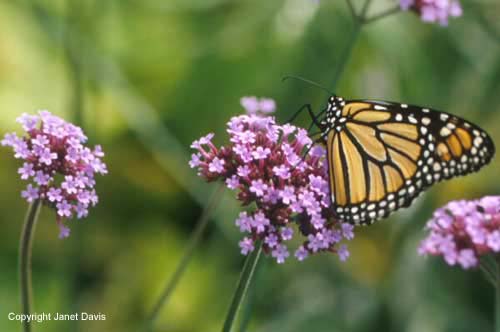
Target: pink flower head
<point>254,105</point>
<point>433,11</point>
<point>464,231</point>
<point>59,166</point>
<point>264,164</point>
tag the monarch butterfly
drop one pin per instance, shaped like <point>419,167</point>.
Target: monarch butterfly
<point>382,155</point>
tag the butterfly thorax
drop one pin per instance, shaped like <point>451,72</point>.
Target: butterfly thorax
<point>334,118</point>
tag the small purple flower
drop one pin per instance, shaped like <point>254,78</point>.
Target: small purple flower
<point>216,166</point>
<point>54,195</point>
<point>288,195</point>
<point>46,156</point>
<point>343,253</point>
<point>296,207</point>
<point>244,222</point>
<point>195,160</point>
<point>280,253</point>
<point>493,241</point>
<point>21,150</point>
<point>26,171</point>
<point>286,233</point>
<point>307,198</point>
<point>73,155</point>
<point>317,221</point>
<point>10,139</point>
<point>41,178</point>
<point>260,222</point>
<point>348,231</point>
<point>206,140</point>
<point>233,182</point>
<point>301,253</point>
<point>81,211</point>
<point>302,137</point>
<point>267,105</point>
<point>271,240</point>
<point>261,153</point>
<point>40,140</point>
<point>254,105</point>
<point>30,194</point>
<point>63,230</point>
<point>247,246</point>
<point>467,258</point>
<point>243,171</point>
<point>247,137</point>
<point>272,196</point>
<point>98,166</point>
<point>250,104</point>
<point>258,187</point>
<point>64,209</point>
<point>282,171</point>
<point>69,185</point>
<point>29,122</point>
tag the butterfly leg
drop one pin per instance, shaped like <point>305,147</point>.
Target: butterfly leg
<point>311,114</point>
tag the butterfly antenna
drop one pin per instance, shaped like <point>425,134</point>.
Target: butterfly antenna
<point>298,78</point>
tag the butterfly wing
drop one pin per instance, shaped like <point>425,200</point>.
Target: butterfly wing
<point>382,155</point>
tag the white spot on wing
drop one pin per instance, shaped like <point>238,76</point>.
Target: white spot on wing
<point>444,132</point>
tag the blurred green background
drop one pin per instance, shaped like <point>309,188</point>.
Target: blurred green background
<point>146,78</point>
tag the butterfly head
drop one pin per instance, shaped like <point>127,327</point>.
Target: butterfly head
<point>333,120</point>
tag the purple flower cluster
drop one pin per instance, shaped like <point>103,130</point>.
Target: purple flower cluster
<point>433,11</point>
<point>463,231</point>
<point>254,105</point>
<point>59,167</point>
<point>265,163</point>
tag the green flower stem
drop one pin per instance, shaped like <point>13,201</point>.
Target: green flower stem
<point>245,279</point>
<point>359,21</point>
<point>489,274</point>
<point>188,254</point>
<point>25,260</point>
<point>73,51</point>
<point>351,8</point>
<point>497,296</point>
<point>346,54</point>
<point>383,14</point>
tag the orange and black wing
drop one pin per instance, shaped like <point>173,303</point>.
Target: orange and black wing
<point>385,154</point>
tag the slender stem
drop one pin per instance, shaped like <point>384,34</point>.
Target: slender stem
<point>497,296</point>
<point>346,54</point>
<point>488,273</point>
<point>344,58</point>
<point>383,14</point>
<point>188,254</point>
<point>245,279</point>
<point>25,260</point>
<point>364,10</point>
<point>351,9</point>
<point>75,60</point>
<point>246,312</point>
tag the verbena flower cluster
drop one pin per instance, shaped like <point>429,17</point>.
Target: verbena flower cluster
<point>265,164</point>
<point>463,231</point>
<point>58,166</point>
<point>433,11</point>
